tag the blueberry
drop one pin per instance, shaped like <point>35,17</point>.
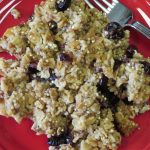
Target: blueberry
<point>52,77</point>
<point>108,104</point>
<point>113,31</point>
<point>62,5</point>
<point>64,138</point>
<point>102,85</point>
<point>146,66</point>
<point>112,99</point>
<point>65,57</point>
<point>53,26</point>
<point>32,70</point>
<point>117,64</point>
<point>130,51</point>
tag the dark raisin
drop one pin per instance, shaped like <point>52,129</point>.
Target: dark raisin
<point>117,64</point>
<point>64,138</point>
<point>62,5</point>
<point>113,31</point>
<point>102,84</point>
<point>130,51</point>
<point>146,66</point>
<point>53,26</point>
<point>65,57</point>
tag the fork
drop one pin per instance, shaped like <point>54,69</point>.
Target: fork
<point>117,12</point>
<point>11,4</point>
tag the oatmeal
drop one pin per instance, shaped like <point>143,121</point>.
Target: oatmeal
<point>75,76</point>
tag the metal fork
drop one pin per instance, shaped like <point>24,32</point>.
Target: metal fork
<point>117,12</point>
<point>8,7</point>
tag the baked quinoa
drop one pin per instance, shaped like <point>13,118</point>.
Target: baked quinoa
<point>75,76</point>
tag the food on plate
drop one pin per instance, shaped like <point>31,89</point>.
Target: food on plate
<point>75,76</point>
<point>15,13</point>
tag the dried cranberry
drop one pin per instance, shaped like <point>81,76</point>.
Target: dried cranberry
<point>113,31</point>
<point>130,51</point>
<point>53,26</point>
<point>65,57</point>
<point>117,64</point>
<point>62,5</point>
<point>64,138</point>
<point>146,66</point>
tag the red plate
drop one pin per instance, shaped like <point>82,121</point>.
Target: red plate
<point>20,137</point>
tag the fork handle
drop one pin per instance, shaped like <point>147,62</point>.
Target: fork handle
<point>140,28</point>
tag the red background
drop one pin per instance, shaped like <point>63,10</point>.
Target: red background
<point>20,137</point>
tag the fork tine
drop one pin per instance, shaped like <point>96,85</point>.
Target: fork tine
<point>7,13</point>
<point>101,6</point>
<point>115,1</point>
<point>108,3</point>
<point>89,3</point>
<point>4,8</point>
